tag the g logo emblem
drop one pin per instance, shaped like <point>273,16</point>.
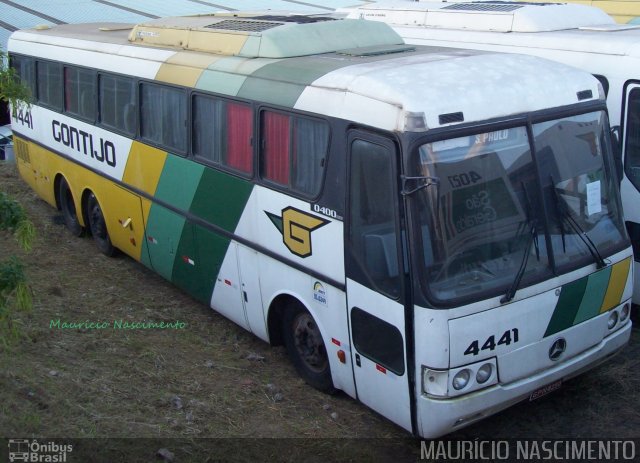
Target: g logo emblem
<point>296,227</point>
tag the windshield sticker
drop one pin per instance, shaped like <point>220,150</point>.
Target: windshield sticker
<point>594,203</point>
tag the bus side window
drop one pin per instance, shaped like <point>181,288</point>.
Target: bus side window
<point>378,340</point>
<point>632,142</point>
<point>49,78</point>
<point>79,92</point>
<point>163,116</point>
<point>293,151</point>
<point>117,97</point>
<point>373,237</point>
<point>222,131</point>
<point>25,69</point>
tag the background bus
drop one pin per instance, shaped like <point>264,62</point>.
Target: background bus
<point>323,185</point>
<point>577,35</point>
<point>623,12</point>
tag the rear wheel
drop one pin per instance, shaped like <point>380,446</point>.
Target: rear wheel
<point>306,348</point>
<point>98,227</point>
<point>68,208</point>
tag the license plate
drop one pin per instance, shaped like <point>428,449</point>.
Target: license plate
<point>544,390</point>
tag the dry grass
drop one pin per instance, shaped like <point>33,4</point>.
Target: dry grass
<point>197,382</point>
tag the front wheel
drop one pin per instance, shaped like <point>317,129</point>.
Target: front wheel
<point>306,349</point>
<point>98,227</point>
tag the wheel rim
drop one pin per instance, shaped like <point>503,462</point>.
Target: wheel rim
<point>308,342</point>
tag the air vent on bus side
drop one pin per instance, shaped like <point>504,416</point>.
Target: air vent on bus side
<point>482,7</point>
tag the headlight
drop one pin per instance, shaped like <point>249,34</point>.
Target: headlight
<point>461,379</point>
<point>613,319</point>
<point>624,312</point>
<point>484,373</point>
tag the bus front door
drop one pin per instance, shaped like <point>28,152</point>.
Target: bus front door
<point>630,185</point>
<point>375,274</point>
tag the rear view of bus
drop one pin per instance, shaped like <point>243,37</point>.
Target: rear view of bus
<point>436,232</point>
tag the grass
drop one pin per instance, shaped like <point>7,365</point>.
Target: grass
<point>116,383</point>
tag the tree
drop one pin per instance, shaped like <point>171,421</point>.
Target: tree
<point>12,90</point>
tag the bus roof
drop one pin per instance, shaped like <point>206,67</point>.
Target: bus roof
<point>498,16</point>
<point>566,27</point>
<point>388,85</point>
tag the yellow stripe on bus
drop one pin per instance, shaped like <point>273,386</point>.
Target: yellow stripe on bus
<point>185,68</point>
<point>144,167</point>
<point>617,283</point>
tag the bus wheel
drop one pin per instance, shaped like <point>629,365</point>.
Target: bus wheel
<point>98,227</point>
<point>68,208</point>
<point>306,349</point>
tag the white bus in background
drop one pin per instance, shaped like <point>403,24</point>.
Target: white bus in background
<point>577,35</point>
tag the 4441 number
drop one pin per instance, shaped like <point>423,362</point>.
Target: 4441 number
<point>507,338</point>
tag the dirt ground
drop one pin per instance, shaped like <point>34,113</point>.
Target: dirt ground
<point>212,379</point>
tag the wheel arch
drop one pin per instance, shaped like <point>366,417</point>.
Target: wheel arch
<point>275,314</point>
<point>83,202</point>
<point>56,189</point>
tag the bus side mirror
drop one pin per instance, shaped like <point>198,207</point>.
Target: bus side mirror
<point>616,148</point>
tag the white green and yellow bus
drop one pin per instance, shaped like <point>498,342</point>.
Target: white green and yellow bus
<point>435,232</point>
<point>576,35</point>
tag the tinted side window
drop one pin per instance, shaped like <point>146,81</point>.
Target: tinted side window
<point>222,133</point>
<point>50,84</point>
<point>163,118</point>
<point>632,141</point>
<point>293,151</point>
<point>80,92</point>
<point>25,69</point>
<point>372,234</point>
<point>378,340</point>
<point>117,99</point>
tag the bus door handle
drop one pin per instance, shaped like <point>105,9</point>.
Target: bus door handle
<point>358,359</point>
<point>125,223</point>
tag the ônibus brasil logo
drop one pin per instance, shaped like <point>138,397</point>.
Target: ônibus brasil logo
<point>31,450</point>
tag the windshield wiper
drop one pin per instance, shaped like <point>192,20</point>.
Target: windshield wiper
<point>573,223</point>
<point>420,183</point>
<point>533,238</point>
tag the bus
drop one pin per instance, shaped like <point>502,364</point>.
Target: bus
<point>437,233</point>
<point>577,35</point>
<point>622,11</point>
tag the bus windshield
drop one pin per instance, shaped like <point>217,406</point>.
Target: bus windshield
<point>497,210</point>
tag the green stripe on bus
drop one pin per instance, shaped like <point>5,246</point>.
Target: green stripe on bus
<point>594,295</point>
<point>177,185</point>
<point>164,232</point>
<point>191,267</point>
<point>226,75</point>
<point>283,81</point>
<point>568,304</point>
<point>221,198</point>
<point>212,248</point>
<point>178,182</point>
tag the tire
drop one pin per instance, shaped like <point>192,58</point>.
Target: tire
<point>68,208</point>
<point>306,348</point>
<point>98,227</point>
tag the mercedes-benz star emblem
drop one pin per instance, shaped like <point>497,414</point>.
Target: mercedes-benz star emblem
<point>557,349</point>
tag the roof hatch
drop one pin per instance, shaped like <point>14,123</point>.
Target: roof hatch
<point>263,36</point>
